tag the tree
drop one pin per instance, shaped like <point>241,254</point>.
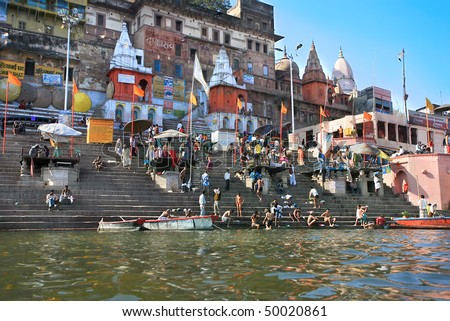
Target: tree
<point>215,5</point>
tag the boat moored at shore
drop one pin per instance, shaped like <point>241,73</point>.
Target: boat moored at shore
<point>442,222</point>
<point>179,223</point>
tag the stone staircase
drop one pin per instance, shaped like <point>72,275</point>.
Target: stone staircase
<point>116,192</point>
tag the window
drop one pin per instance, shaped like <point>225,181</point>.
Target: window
<point>139,60</point>
<point>70,74</point>
<point>157,65</point>
<point>264,26</point>
<point>250,23</point>
<point>413,136</point>
<point>215,35</point>
<point>392,135</point>
<point>226,38</point>
<point>204,32</point>
<point>266,70</point>
<point>178,71</point>
<point>29,67</point>
<point>48,30</point>
<point>249,44</point>
<point>178,50</point>
<point>236,64</point>
<point>249,67</point>
<point>139,22</point>
<point>178,25</point>
<point>192,54</point>
<point>100,19</point>
<point>158,21</point>
<point>265,49</point>
<point>381,129</point>
<point>257,46</point>
<point>22,25</point>
<point>402,131</point>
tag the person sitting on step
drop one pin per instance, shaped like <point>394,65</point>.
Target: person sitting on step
<point>98,163</point>
<point>66,194</point>
<point>51,200</point>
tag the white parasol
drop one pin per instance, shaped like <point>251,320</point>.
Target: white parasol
<point>58,132</point>
<point>171,133</point>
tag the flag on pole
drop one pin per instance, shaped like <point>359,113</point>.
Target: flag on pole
<point>138,91</point>
<point>367,116</point>
<point>430,106</point>
<point>75,88</point>
<point>324,113</point>
<point>283,108</point>
<point>401,55</point>
<point>239,104</point>
<point>198,74</point>
<point>13,80</point>
<point>193,100</point>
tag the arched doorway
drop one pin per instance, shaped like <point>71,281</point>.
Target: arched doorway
<point>398,182</point>
<point>119,113</point>
<point>250,127</point>
<point>151,113</point>
<point>137,112</point>
<point>144,86</point>
<point>240,126</point>
<point>226,122</point>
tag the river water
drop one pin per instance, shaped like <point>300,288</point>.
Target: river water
<point>283,264</point>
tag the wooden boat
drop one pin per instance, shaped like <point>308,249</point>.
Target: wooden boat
<point>179,223</point>
<point>441,222</point>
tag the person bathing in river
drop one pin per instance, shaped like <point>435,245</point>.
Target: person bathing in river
<point>165,215</point>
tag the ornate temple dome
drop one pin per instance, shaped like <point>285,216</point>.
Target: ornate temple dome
<point>222,74</point>
<point>343,75</point>
<point>283,66</point>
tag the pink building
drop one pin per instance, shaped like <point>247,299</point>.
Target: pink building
<point>427,174</point>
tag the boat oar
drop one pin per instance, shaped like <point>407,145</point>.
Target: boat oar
<point>218,227</point>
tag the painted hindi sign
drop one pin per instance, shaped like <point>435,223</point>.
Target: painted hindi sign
<point>420,119</point>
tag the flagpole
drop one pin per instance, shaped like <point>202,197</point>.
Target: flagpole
<point>189,131</point>
<point>281,128</point>
<point>73,115</point>
<point>320,125</point>
<point>4,121</point>
<point>132,127</point>
<point>428,129</point>
<point>236,140</point>
<point>405,96</point>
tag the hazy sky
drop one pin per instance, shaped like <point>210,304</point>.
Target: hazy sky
<point>372,33</point>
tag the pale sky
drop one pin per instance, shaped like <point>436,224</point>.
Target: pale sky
<point>372,33</point>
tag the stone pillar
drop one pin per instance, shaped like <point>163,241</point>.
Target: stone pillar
<point>362,184</point>
<point>266,186</point>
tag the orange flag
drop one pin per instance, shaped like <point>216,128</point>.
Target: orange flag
<point>193,99</point>
<point>75,88</point>
<point>283,108</point>
<point>13,80</point>
<point>324,113</point>
<point>367,116</point>
<point>138,91</point>
<point>239,104</point>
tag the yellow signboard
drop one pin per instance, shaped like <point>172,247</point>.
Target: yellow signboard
<point>80,2</point>
<point>18,69</point>
<point>100,130</point>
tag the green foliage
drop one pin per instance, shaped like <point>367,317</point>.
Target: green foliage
<point>215,5</point>
<point>405,214</point>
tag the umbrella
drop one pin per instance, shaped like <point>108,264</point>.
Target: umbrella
<point>364,148</point>
<point>171,133</point>
<point>57,132</point>
<point>263,130</point>
<point>139,125</point>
